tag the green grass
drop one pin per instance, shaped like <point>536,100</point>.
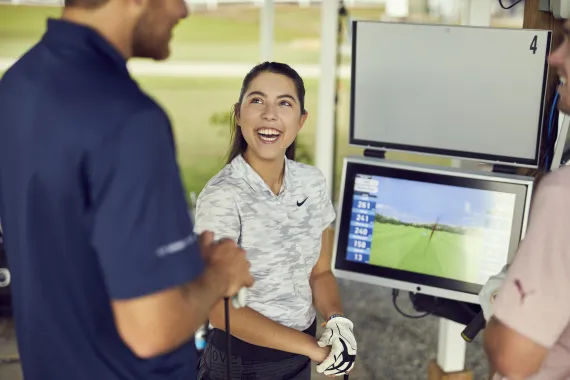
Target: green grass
<point>191,102</point>
<point>202,145</point>
<point>409,248</point>
<point>229,34</point>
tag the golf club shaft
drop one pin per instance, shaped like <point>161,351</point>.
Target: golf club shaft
<point>228,339</point>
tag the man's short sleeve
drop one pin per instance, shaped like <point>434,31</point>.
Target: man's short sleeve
<point>142,227</point>
<point>535,297</point>
<point>326,205</point>
<point>217,212</point>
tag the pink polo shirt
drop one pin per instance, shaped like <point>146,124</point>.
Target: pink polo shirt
<point>535,297</point>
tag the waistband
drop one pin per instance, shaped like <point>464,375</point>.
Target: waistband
<point>246,350</point>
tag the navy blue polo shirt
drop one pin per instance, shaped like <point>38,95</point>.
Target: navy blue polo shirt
<point>92,208</point>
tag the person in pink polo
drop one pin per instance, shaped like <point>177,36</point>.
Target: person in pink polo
<point>527,307</point>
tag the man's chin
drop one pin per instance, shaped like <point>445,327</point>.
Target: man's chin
<point>163,56</point>
<point>156,55</point>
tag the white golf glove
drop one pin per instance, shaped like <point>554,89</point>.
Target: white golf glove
<point>489,292</point>
<point>338,334</point>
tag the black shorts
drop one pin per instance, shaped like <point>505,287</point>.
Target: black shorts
<point>250,362</point>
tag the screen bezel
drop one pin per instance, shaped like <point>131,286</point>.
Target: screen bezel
<point>475,156</point>
<point>447,288</point>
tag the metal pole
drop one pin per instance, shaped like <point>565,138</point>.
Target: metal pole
<point>324,137</point>
<point>266,28</point>
<point>451,347</point>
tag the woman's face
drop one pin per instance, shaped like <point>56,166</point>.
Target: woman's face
<point>270,115</point>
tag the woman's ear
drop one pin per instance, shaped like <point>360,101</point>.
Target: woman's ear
<point>237,113</point>
<point>303,119</point>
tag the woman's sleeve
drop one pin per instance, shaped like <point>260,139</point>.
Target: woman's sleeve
<point>216,211</point>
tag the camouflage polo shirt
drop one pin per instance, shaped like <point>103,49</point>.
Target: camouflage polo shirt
<point>281,234</point>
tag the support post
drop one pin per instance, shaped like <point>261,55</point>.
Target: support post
<point>266,29</point>
<point>451,347</point>
<point>450,360</point>
<point>324,136</point>
<point>476,12</point>
<point>397,9</point>
<point>450,363</point>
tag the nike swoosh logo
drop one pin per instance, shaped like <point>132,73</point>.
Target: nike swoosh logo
<point>299,204</point>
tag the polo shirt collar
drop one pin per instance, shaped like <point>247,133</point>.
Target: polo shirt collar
<point>83,39</point>
<point>240,165</point>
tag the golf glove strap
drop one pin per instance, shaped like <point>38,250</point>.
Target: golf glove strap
<point>489,292</point>
<point>338,334</point>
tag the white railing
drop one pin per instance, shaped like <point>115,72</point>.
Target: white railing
<point>211,4</point>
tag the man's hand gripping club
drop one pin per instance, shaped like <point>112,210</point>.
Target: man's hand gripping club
<point>489,292</point>
<point>227,263</point>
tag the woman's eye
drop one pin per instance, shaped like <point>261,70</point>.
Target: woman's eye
<point>285,103</point>
<point>256,100</point>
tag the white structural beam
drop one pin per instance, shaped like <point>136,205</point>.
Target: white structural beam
<point>476,12</point>
<point>397,8</point>
<point>451,347</point>
<point>266,30</point>
<point>324,141</point>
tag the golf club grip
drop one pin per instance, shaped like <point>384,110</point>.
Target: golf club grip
<point>473,328</point>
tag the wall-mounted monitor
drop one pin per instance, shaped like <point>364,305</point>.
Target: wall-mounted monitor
<point>432,230</point>
<point>458,91</point>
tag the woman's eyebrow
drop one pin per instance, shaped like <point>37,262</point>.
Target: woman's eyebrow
<point>262,94</point>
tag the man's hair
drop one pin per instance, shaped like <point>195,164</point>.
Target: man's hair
<point>89,4</point>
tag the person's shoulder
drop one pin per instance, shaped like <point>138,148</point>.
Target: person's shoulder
<point>307,175</point>
<point>223,184</point>
<point>556,181</point>
<point>551,194</point>
<point>305,171</point>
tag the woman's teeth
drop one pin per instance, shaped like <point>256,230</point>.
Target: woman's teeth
<point>268,134</point>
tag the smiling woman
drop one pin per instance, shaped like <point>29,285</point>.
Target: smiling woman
<point>278,210</point>
<point>270,110</point>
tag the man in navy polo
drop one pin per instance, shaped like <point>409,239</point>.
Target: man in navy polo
<point>108,278</point>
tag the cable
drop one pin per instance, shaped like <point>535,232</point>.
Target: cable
<point>510,6</point>
<point>228,338</point>
<point>395,293</point>
<point>549,132</point>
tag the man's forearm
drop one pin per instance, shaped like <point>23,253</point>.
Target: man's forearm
<point>158,323</point>
<point>254,328</point>
<point>326,296</point>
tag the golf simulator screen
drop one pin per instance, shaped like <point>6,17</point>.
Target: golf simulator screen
<point>431,230</point>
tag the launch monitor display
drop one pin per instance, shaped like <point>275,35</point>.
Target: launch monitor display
<point>438,232</point>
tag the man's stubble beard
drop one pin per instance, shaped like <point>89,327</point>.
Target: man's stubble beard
<point>146,42</point>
